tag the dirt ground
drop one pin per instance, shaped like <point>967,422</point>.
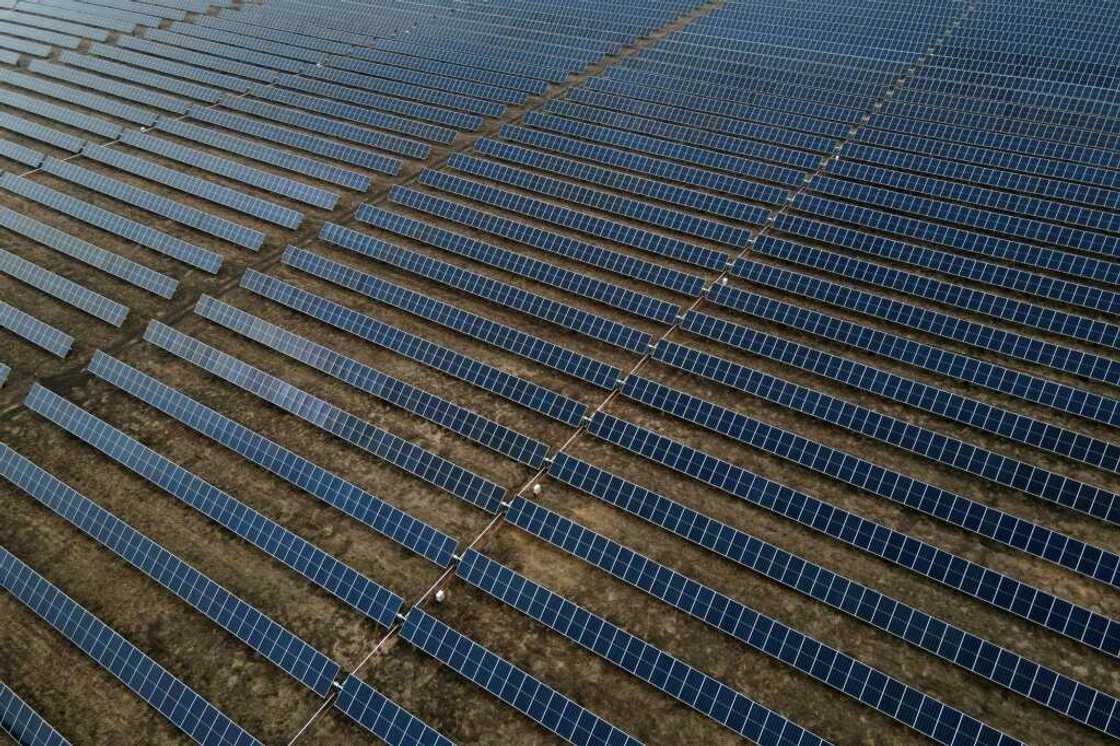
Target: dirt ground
<point>88,706</point>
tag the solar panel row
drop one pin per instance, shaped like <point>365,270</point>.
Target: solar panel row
<point>57,286</point>
<point>23,724</point>
<point>31,329</point>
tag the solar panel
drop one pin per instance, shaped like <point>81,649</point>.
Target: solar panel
<point>61,114</point>
<point>270,639</point>
<point>469,324</point>
<point>36,332</point>
<point>316,481</point>
<point>232,26</point>
<point>22,154</point>
<point>207,261</point>
<point>105,9</point>
<point>112,87</point>
<point>198,59</point>
<point>532,86</point>
<point>607,202</point>
<point>182,706</point>
<point>64,27</point>
<point>917,711</point>
<point>305,558</point>
<point>40,133</point>
<point>5,371</point>
<point>75,248</point>
<point>395,450</point>
<point>150,63</point>
<point>436,81</point>
<point>247,42</point>
<point>59,287</point>
<point>518,689</point>
<point>218,227</point>
<point>23,724</point>
<point>272,156</point>
<point>81,98</point>
<point>149,79</point>
<point>627,182</point>
<point>208,190</point>
<point>384,718</point>
<point>48,37</point>
<point>972,370</point>
<point>261,59</point>
<point>893,546</point>
<point>27,47</point>
<point>553,243</point>
<point>550,274</point>
<point>459,102</point>
<point>284,136</point>
<point>65,14</point>
<point>442,412</point>
<point>481,286</point>
<point>684,683</point>
<point>331,127</point>
<point>280,185</point>
<point>549,212</point>
<point>983,658</point>
<point>518,390</point>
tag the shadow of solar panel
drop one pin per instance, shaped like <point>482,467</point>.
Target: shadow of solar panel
<point>53,24</point>
<point>446,414</point>
<point>1001,591</point>
<point>151,63</point>
<point>298,140</point>
<point>443,359</point>
<point>316,481</point>
<point>332,127</point>
<point>938,360</point>
<point>181,705</point>
<point>270,639</point>
<point>62,289</point>
<point>518,689</point>
<point>657,167</point>
<point>640,211</point>
<point>208,190</point>
<point>684,683</point>
<point>454,318</point>
<point>149,79</point>
<point>628,182</point>
<point>996,275</point>
<point>576,283</point>
<point>280,185</point>
<point>975,654</point>
<point>550,212</point>
<point>914,709</point>
<point>207,261</point>
<point>1094,331</point>
<point>36,332</point>
<point>554,243</point>
<point>384,718</point>
<point>342,110</point>
<point>418,461</point>
<point>221,228</point>
<point>198,59</point>
<point>112,87</point>
<point>86,100</point>
<point>60,114</point>
<point>387,87</point>
<point>255,151</point>
<point>481,286</point>
<point>23,724</point>
<point>305,558</point>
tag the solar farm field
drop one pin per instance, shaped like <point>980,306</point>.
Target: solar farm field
<point>518,372</point>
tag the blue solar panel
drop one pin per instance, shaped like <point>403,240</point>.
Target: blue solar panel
<point>412,458</point>
<point>983,658</point>
<point>318,482</point>
<point>918,711</point>
<point>112,87</point>
<point>167,208</point>
<point>176,86</point>
<point>633,655</point>
<point>626,182</point>
<point>247,42</point>
<point>285,650</point>
<point>532,86</point>
<point>92,18</point>
<point>437,81</point>
<point>486,377</point>
<point>61,114</point>
<point>553,243</point>
<point>937,360</point>
<point>1001,591</point>
<point>207,190</point>
<point>576,283</point>
<point>520,690</point>
<point>501,336</point>
<point>86,100</point>
<point>38,21</point>
<point>252,72</point>
<point>384,718</point>
<point>21,154</point>
<point>150,238</point>
<point>435,97</point>
<point>23,724</point>
<point>320,568</point>
<point>216,49</point>
<point>59,287</point>
<point>36,332</point>
<point>442,412</point>
<point>182,706</point>
<point>499,293</point>
<point>549,212</point>
<point>87,253</point>
<point>638,210</point>
<point>41,133</point>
